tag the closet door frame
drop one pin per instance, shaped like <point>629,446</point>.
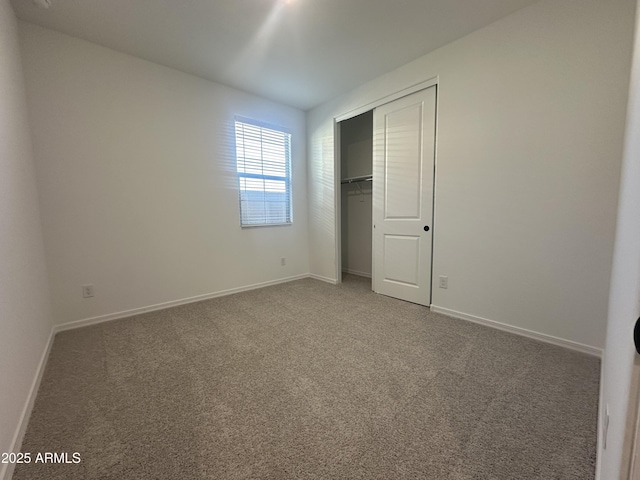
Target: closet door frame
<point>337,166</point>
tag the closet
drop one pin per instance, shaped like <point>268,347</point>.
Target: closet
<point>387,167</point>
<point>356,165</point>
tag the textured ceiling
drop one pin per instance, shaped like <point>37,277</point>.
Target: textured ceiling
<point>297,52</point>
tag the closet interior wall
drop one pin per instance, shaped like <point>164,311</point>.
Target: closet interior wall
<point>356,159</point>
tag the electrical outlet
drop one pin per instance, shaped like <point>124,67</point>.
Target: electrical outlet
<point>444,282</point>
<point>605,426</point>
<point>87,291</point>
<point>283,261</point>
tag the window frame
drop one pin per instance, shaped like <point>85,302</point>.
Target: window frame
<point>287,179</point>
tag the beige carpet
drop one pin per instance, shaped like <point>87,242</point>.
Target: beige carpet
<point>311,380</point>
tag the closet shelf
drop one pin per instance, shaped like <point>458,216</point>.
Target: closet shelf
<point>362,178</point>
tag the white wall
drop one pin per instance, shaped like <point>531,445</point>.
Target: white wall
<point>624,300</point>
<point>356,157</point>
<point>25,311</point>
<point>136,172</point>
<point>531,121</point>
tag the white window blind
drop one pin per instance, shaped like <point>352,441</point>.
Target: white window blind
<point>263,156</point>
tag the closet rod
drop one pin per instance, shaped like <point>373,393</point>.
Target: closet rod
<point>363,178</point>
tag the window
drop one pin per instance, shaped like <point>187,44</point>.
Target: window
<point>263,157</point>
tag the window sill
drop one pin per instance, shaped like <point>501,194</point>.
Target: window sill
<point>267,225</point>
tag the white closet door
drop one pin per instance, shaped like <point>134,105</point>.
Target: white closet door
<point>403,165</point>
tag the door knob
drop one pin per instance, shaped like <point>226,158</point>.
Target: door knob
<point>636,335</point>
<point>426,228</point>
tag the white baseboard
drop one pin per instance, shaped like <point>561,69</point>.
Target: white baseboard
<point>600,425</point>
<point>332,281</point>
<point>356,272</point>
<point>174,303</point>
<point>6,470</point>
<point>543,337</point>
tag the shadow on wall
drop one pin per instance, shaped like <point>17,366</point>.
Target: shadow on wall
<point>322,192</point>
